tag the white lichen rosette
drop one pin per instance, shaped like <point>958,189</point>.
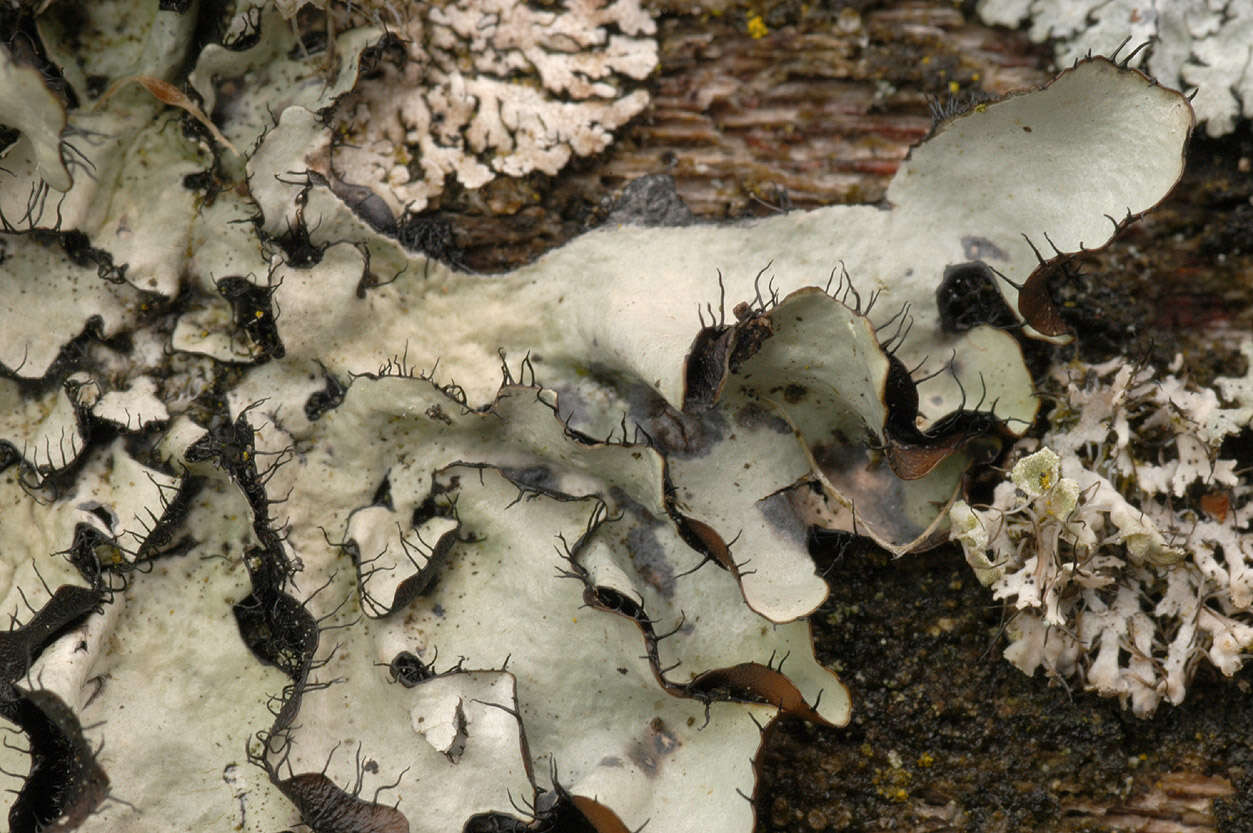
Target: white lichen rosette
<point>1126,587</point>
<point>488,88</point>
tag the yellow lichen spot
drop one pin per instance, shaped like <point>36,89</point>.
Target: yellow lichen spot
<point>954,87</point>
<point>898,795</point>
<point>926,59</point>
<point>258,313</point>
<point>757,27</point>
<point>974,76</point>
<point>925,760</point>
<point>979,108</point>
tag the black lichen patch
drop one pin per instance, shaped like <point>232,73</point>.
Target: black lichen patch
<point>499,823</point>
<point>326,808</point>
<point>912,452</point>
<point>430,234</point>
<point>408,670</point>
<point>794,394</point>
<point>298,247</point>
<point>330,397</point>
<point>65,783</point>
<point>254,311</point>
<point>611,600</point>
<point>719,349</point>
<point>166,535</point>
<point>274,625</point>
<point>92,552</point>
<point>968,296</point>
<point>9,455</point>
<point>706,367</point>
<point>21,646</point>
<point>199,181</point>
<point>79,250</point>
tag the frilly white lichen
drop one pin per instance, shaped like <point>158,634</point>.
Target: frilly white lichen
<point>464,91</point>
<point>231,382</point>
<point>1122,544</point>
<point>1198,43</point>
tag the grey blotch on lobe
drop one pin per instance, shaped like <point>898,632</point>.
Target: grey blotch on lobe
<point>649,558</point>
<point>753,415</point>
<point>778,511</point>
<point>650,752</point>
<point>980,248</point>
<point>881,497</point>
<point>534,477</point>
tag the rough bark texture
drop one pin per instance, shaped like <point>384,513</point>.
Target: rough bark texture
<point>819,109</point>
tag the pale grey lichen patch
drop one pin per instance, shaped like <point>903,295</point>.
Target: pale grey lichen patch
<point>49,299</point>
<point>41,428</point>
<point>113,39</point>
<point>350,311</point>
<point>367,533</point>
<point>553,616</point>
<point>428,528</point>
<point>117,154</point>
<point>165,687</point>
<point>29,107</point>
<point>247,89</point>
<point>133,409</point>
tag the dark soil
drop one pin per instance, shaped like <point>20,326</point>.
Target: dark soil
<point>946,735</point>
